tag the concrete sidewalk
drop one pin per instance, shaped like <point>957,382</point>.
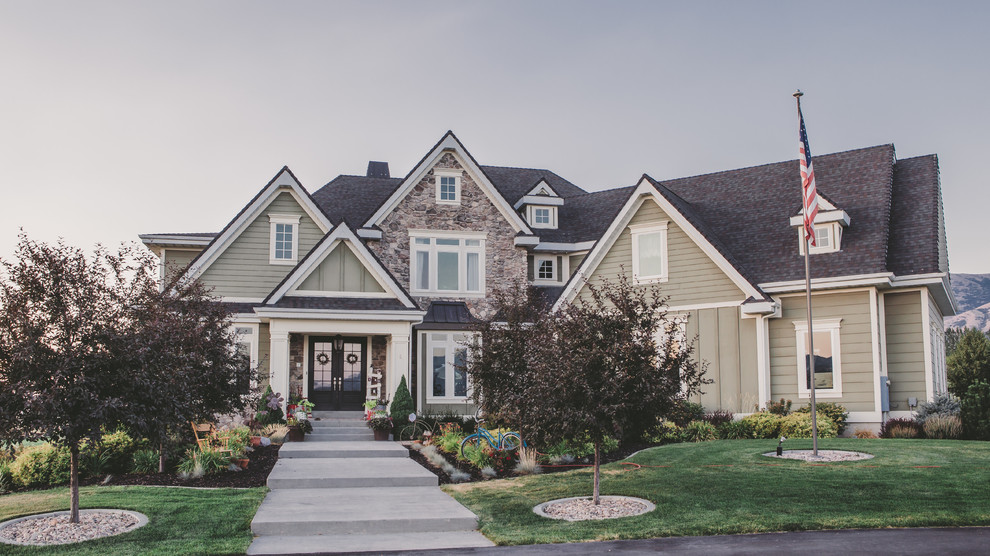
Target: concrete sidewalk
<point>351,494</point>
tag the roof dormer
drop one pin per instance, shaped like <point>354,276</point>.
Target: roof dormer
<point>539,206</point>
<point>830,222</point>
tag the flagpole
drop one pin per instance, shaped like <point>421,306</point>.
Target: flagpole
<point>810,359</point>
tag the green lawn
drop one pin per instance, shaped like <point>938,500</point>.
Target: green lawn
<point>728,487</point>
<point>181,520</point>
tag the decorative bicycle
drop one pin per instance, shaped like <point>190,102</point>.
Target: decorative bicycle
<point>504,441</point>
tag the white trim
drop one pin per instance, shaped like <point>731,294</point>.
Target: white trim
<point>451,144</point>
<point>759,307</point>
<point>242,299</point>
<point>645,190</point>
<point>878,279</point>
<point>564,247</point>
<point>415,317</point>
<point>882,326</point>
<point>524,241</point>
<point>438,174</point>
<point>283,181</point>
<point>369,233</point>
<point>823,217</point>
<point>926,319</point>
<point>832,326</point>
<point>293,222</point>
<point>538,200</point>
<point>699,306</point>
<point>638,230</point>
<point>250,318</point>
<point>867,416</point>
<point>254,337</point>
<point>763,359</point>
<point>834,239</point>
<point>347,295</point>
<point>876,341</point>
<point>341,234</point>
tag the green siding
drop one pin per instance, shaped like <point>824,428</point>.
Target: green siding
<point>693,277</point>
<point>176,260</point>
<point>855,345</point>
<point>341,271</point>
<point>243,270</point>
<point>905,348</point>
<point>726,343</point>
<point>264,353</point>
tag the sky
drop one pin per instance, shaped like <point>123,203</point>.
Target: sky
<point>121,118</point>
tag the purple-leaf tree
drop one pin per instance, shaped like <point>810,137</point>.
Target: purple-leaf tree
<point>609,365</point>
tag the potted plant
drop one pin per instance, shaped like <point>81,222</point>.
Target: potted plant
<point>369,407</point>
<point>381,423</point>
<point>307,406</point>
<point>296,432</point>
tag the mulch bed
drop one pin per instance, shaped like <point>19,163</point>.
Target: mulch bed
<point>619,454</point>
<point>262,460</point>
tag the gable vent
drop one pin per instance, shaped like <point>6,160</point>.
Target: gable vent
<point>378,169</point>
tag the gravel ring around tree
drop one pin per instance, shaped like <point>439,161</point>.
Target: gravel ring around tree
<point>54,528</point>
<point>582,508</point>
<point>823,455</point>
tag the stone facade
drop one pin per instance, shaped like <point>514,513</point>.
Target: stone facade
<point>296,355</point>
<point>379,356</point>
<point>504,262</point>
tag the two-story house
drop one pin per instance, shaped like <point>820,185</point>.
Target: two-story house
<point>339,293</point>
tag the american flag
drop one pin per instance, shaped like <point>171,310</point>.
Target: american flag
<point>808,191</point>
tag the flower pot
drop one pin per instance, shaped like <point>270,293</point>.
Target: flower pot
<point>242,462</point>
<point>296,434</point>
<point>382,434</point>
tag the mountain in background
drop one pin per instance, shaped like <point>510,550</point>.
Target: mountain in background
<point>972,291</point>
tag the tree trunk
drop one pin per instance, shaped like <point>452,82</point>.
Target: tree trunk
<point>74,482</point>
<point>161,457</point>
<point>598,459</point>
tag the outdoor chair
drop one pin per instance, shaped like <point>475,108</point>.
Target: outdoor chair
<point>208,438</point>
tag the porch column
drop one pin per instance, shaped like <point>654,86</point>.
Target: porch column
<point>398,363</point>
<point>279,365</point>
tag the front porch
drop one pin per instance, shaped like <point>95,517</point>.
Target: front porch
<point>336,363</point>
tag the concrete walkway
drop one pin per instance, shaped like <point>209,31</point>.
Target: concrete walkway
<point>340,491</point>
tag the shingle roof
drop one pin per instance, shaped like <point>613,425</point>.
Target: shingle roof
<point>749,209</point>
<point>586,217</point>
<point>354,199</point>
<point>513,183</point>
<point>447,315</point>
<point>915,245</point>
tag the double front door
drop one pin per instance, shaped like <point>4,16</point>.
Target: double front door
<point>338,372</point>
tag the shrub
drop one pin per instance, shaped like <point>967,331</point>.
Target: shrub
<point>684,412</point>
<point>699,431</point>
<point>238,439</point>
<point>144,461</point>
<point>835,412</point>
<point>779,408</point>
<point>941,404</point>
<point>112,454</point>
<point>479,456</point>
<point>764,424</point>
<point>900,427</point>
<point>666,432</point>
<point>449,438</point>
<point>196,463</point>
<point>402,406</point>
<point>6,477</point>
<point>276,432</point>
<point>41,466</point>
<point>488,472</point>
<point>798,425</point>
<point>505,461</point>
<point>579,449</point>
<point>527,463</point>
<point>736,430</point>
<point>718,418</point>
<point>865,433</point>
<point>943,426</point>
<point>458,476</point>
<point>975,414</point>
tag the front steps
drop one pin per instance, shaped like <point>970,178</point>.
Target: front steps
<point>335,493</point>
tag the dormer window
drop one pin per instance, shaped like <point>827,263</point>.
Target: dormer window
<point>284,239</point>
<point>448,187</point>
<point>542,216</point>
<point>545,268</point>
<point>829,225</point>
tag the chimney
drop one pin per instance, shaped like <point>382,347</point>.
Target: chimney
<point>378,169</point>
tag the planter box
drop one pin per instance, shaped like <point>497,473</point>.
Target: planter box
<point>382,434</point>
<point>296,434</point>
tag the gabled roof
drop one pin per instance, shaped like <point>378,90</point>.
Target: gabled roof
<point>284,180</point>
<point>449,143</point>
<point>342,234</point>
<point>915,245</point>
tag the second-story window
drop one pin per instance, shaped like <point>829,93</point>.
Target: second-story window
<point>448,187</point>
<point>447,263</point>
<point>284,241</point>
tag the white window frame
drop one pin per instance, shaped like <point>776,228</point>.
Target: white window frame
<point>531,216</point>
<point>451,344</point>
<point>288,219</point>
<point>832,326</point>
<point>939,379</point>
<point>433,249</point>
<point>456,175</point>
<point>639,230</point>
<point>834,236</point>
<point>540,259</point>
<point>248,333</point>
